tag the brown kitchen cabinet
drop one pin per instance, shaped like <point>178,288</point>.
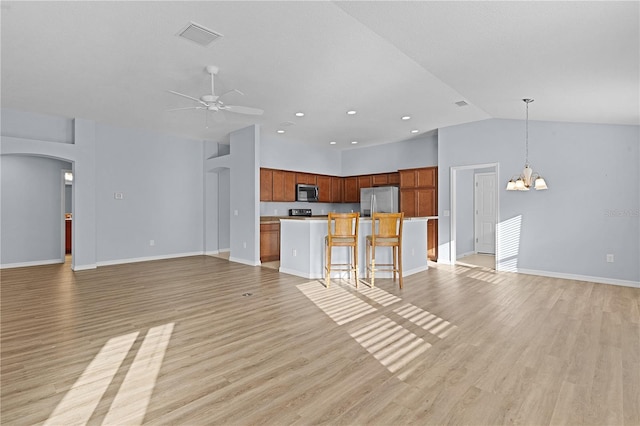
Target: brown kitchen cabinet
<point>363,182</point>
<point>394,178</point>
<point>337,187</point>
<point>269,241</point>
<point>351,190</point>
<point>266,185</point>
<point>284,186</point>
<point>68,225</point>
<point>432,240</point>
<point>306,178</point>
<point>324,188</point>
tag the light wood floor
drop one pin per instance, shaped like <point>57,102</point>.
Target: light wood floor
<point>201,340</point>
<point>478,259</point>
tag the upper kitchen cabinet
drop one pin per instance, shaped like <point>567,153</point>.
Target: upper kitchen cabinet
<point>419,178</point>
<point>284,186</point>
<point>324,188</point>
<point>266,185</point>
<point>363,182</point>
<point>385,179</point>
<point>306,178</point>
<point>351,190</point>
<point>419,192</point>
<point>337,189</point>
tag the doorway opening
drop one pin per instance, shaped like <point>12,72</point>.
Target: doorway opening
<point>474,215</point>
<point>67,215</point>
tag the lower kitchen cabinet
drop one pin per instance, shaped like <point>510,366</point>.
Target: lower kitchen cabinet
<point>269,241</point>
<point>432,240</point>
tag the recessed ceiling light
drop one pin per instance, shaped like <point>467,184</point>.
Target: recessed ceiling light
<point>279,131</point>
<point>354,142</point>
<point>351,112</point>
<point>406,117</point>
<point>299,114</point>
<point>332,143</point>
<point>415,131</point>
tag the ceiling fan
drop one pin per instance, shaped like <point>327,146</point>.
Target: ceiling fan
<point>212,102</point>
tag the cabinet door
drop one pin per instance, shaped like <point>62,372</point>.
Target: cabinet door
<point>324,188</point>
<point>426,177</point>
<point>380,180</point>
<point>351,191</point>
<point>306,178</point>
<point>269,242</point>
<point>408,202</point>
<point>394,178</point>
<point>289,186</point>
<point>278,185</point>
<point>426,202</point>
<point>432,240</point>
<point>363,182</point>
<point>407,178</point>
<point>266,185</point>
<point>336,189</point>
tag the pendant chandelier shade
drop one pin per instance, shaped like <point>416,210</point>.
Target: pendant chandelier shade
<point>524,181</point>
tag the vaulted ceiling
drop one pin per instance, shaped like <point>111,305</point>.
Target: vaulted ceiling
<point>114,62</point>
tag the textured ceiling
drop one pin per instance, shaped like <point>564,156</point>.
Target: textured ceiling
<point>114,62</point>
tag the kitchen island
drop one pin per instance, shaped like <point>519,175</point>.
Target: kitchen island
<point>302,249</point>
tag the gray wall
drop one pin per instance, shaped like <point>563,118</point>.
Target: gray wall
<point>31,210</point>
<point>412,153</point>
<point>276,153</point>
<point>161,177</point>
<point>590,210</point>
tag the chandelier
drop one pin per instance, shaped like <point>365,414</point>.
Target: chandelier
<point>523,182</point>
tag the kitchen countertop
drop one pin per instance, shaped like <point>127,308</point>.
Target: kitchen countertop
<point>276,219</point>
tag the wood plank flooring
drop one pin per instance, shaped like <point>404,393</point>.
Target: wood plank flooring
<point>200,340</point>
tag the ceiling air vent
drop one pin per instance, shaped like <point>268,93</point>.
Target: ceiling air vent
<point>462,103</point>
<point>199,34</point>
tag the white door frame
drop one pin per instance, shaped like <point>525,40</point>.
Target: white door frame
<point>452,198</point>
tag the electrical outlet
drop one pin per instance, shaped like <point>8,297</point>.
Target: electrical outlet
<point>609,258</point>
<point>152,242</point>
<point>244,244</point>
<point>118,195</point>
<point>275,212</point>
<point>294,252</point>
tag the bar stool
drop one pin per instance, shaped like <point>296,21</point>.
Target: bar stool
<point>386,231</point>
<point>342,232</point>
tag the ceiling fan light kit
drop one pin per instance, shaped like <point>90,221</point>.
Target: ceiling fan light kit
<point>212,102</point>
<point>524,180</point>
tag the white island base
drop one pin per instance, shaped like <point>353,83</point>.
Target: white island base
<point>302,250</point>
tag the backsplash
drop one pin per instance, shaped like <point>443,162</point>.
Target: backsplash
<point>282,209</point>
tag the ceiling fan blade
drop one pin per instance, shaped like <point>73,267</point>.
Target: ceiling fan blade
<point>180,109</point>
<point>243,110</point>
<point>230,91</point>
<point>188,97</point>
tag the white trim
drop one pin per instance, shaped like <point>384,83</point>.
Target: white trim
<point>224,250</point>
<point>148,258</point>
<point>212,252</point>
<point>452,212</point>
<point>84,267</point>
<point>296,273</point>
<point>598,280</point>
<point>32,263</point>
<point>243,261</point>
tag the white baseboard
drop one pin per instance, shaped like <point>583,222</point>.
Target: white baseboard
<point>148,258</point>
<point>84,267</point>
<point>244,261</point>
<point>600,280</point>
<point>212,252</point>
<point>33,263</point>
<point>224,250</point>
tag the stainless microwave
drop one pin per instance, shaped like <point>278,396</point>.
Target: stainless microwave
<point>307,193</point>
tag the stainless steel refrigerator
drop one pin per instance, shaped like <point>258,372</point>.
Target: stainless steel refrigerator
<point>382,199</point>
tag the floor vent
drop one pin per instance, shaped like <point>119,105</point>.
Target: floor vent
<point>199,34</point>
